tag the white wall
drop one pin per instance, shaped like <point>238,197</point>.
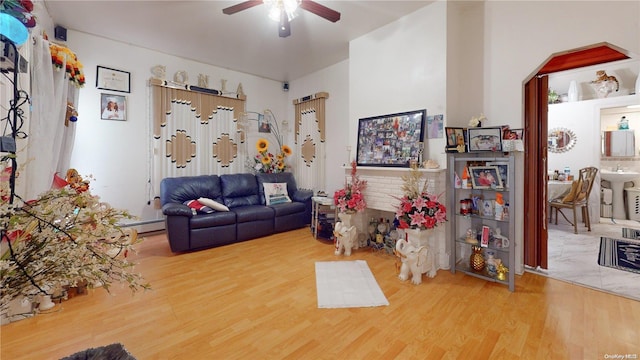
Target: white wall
<point>401,67</point>
<point>521,35</point>
<point>334,80</point>
<point>116,153</point>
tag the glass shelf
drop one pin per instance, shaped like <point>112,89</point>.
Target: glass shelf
<point>472,216</point>
<point>464,241</point>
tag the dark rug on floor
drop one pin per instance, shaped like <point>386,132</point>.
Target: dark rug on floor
<point>109,352</point>
<point>620,254</point>
<point>630,233</point>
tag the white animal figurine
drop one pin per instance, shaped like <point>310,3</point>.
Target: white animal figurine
<point>418,260</point>
<point>346,238</point>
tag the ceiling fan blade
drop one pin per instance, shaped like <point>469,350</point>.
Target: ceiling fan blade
<point>320,10</point>
<point>241,6</point>
<point>284,28</point>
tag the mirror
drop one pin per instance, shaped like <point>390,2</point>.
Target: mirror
<point>619,127</point>
<point>561,140</point>
<point>618,143</point>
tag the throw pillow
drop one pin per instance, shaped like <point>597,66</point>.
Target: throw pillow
<point>213,204</point>
<point>197,207</point>
<point>571,196</point>
<point>275,193</point>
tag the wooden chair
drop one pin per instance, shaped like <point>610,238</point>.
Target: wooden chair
<point>578,197</point>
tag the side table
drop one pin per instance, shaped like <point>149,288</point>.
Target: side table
<point>321,205</point>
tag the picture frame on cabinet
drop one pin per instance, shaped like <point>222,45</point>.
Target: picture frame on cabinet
<point>503,171</point>
<point>484,237</point>
<point>456,140</point>
<point>484,139</point>
<point>512,139</point>
<point>485,177</point>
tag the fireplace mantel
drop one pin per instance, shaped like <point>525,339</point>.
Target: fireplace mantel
<point>384,184</point>
<point>384,187</point>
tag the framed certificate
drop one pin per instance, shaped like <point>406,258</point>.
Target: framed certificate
<point>112,79</point>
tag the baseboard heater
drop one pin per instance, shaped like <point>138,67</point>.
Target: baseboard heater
<point>145,225</point>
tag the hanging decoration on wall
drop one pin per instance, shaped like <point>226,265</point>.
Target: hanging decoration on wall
<point>63,55</point>
<point>181,77</point>
<point>203,81</point>
<point>159,72</point>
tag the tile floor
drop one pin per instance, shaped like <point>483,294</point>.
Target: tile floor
<point>574,258</point>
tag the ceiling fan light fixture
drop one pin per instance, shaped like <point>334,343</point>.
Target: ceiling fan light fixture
<point>277,6</point>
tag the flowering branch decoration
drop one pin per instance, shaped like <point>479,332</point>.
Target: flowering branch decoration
<point>418,209</point>
<point>477,121</point>
<point>64,237</point>
<point>265,161</point>
<point>350,198</point>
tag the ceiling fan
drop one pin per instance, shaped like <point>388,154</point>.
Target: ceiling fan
<point>283,11</point>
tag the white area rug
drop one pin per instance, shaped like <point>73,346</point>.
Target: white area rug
<point>345,284</point>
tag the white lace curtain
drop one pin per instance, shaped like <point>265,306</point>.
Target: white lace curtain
<point>50,137</point>
<point>195,134</point>
<point>310,141</point>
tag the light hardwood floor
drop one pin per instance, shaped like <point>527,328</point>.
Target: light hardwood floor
<point>257,300</point>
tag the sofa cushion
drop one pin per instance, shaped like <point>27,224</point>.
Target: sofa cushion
<point>275,193</point>
<point>288,208</point>
<point>212,220</point>
<point>181,189</point>
<point>213,204</point>
<point>239,190</point>
<point>252,213</point>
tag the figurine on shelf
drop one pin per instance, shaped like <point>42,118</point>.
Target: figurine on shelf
<point>502,272</point>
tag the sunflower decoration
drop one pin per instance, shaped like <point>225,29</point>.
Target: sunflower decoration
<point>266,162</point>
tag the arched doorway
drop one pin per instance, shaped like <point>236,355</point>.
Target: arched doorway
<point>535,124</point>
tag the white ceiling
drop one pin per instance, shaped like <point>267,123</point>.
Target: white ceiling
<point>247,41</point>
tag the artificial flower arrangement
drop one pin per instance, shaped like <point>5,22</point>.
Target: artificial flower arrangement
<point>64,237</point>
<point>350,198</point>
<point>418,209</point>
<point>19,9</point>
<point>477,121</point>
<point>266,162</point>
<point>73,67</point>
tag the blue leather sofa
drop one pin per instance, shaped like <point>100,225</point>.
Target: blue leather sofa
<point>248,217</point>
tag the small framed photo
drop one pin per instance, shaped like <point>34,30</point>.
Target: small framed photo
<point>485,139</point>
<point>263,124</point>
<point>512,139</point>
<point>456,141</point>
<point>112,79</point>
<point>113,107</point>
<point>484,237</point>
<point>485,177</point>
<point>503,171</point>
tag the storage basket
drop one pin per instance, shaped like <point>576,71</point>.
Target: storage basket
<point>633,203</point>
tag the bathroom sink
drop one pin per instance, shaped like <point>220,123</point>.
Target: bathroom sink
<point>617,179</point>
<point>616,176</point>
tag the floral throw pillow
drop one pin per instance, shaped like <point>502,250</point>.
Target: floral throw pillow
<point>275,193</point>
